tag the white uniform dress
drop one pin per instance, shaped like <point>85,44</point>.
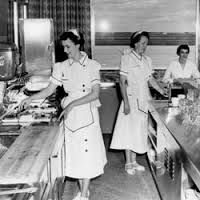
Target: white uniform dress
<point>175,71</point>
<point>85,150</point>
<point>130,131</point>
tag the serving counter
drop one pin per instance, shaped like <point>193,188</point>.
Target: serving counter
<point>34,162</point>
<point>176,145</point>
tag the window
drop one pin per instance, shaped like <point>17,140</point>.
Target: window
<point>170,23</point>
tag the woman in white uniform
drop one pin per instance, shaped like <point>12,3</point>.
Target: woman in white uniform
<point>79,75</point>
<point>181,68</point>
<point>130,132</point>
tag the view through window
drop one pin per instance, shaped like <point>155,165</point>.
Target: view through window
<point>170,22</point>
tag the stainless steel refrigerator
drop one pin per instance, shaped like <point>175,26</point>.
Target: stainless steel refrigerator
<point>37,45</point>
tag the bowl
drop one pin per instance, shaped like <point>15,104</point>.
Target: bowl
<point>181,96</point>
<point>175,101</point>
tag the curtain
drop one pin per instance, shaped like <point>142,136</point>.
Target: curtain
<point>10,26</point>
<point>66,14</point>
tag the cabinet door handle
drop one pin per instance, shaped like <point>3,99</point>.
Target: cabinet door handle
<point>55,156</point>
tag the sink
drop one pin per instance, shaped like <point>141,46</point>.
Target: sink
<point>7,140</point>
<point>8,135</point>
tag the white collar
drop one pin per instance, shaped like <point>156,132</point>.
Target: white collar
<point>136,55</point>
<point>82,61</point>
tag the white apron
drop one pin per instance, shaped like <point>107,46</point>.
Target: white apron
<point>80,116</point>
<point>85,151</point>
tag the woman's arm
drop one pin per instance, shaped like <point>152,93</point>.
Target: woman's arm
<point>123,87</point>
<point>50,89</point>
<point>93,95</point>
<point>40,95</point>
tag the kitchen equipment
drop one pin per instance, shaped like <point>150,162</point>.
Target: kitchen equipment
<point>165,161</point>
<point>37,45</point>
<point>110,102</point>
<point>175,101</point>
<point>181,96</point>
<point>8,54</point>
<point>2,90</point>
<point>11,109</point>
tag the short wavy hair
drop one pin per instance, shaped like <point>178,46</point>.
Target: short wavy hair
<point>182,46</point>
<point>76,39</point>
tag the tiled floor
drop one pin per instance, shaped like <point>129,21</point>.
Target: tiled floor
<point>115,184</point>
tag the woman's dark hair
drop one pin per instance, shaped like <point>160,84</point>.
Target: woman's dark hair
<point>75,38</point>
<point>136,36</point>
<point>182,46</point>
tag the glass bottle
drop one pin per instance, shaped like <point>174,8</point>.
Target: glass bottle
<point>169,93</point>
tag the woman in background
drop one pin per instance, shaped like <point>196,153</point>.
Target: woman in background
<point>182,68</point>
<point>130,131</point>
<point>79,75</point>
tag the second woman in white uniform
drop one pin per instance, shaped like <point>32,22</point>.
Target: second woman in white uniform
<point>79,75</point>
<point>181,68</point>
<point>130,132</point>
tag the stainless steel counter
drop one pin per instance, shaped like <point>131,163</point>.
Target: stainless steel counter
<point>187,136</point>
<point>27,157</point>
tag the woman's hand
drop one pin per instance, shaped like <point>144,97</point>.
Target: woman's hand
<point>25,103</point>
<point>163,89</point>
<point>126,108</point>
<point>164,92</point>
<point>65,112</point>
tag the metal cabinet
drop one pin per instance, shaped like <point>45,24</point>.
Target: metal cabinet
<point>110,102</point>
<point>55,171</point>
<point>165,159</point>
<point>37,45</point>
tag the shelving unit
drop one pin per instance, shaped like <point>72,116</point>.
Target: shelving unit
<point>165,163</point>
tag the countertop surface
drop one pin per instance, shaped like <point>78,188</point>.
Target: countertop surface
<point>27,157</point>
<point>109,76</point>
<point>186,135</point>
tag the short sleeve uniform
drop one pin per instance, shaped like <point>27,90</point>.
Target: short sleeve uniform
<point>85,151</point>
<point>130,131</point>
<point>175,71</point>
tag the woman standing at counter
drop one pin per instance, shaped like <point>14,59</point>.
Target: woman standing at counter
<point>79,75</point>
<point>130,131</point>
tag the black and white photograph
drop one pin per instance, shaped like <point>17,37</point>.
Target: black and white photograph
<point>99,100</point>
